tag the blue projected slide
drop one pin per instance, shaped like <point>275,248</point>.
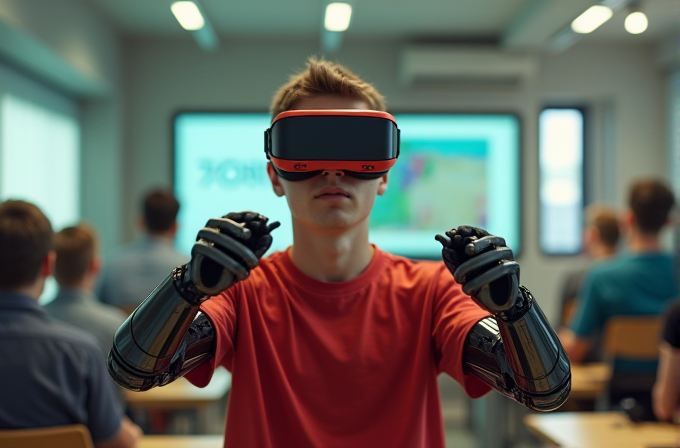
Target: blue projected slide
<point>453,169</point>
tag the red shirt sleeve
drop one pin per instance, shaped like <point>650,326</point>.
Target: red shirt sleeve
<point>454,315</point>
<point>221,311</point>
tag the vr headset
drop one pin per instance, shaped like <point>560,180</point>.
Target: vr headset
<point>302,143</point>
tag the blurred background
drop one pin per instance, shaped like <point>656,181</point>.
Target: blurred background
<point>98,99</point>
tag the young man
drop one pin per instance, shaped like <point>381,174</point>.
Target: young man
<point>76,269</point>
<point>640,281</point>
<point>51,374</point>
<point>132,272</point>
<point>334,342</point>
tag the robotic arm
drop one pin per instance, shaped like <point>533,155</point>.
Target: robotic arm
<point>516,352</point>
<point>167,335</point>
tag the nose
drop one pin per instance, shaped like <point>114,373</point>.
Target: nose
<point>338,173</point>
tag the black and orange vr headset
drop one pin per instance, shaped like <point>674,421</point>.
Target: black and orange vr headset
<point>302,143</point>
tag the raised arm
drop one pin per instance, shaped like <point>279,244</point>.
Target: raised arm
<point>516,352</point>
<point>167,336</point>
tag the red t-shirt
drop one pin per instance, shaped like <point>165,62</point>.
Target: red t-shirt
<point>349,364</point>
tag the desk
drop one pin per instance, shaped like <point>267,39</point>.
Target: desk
<point>182,395</point>
<point>600,430</point>
<point>180,442</point>
<point>589,381</point>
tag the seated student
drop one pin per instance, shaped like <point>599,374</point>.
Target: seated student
<point>135,269</point>
<point>600,239</point>
<point>667,387</point>
<point>51,374</point>
<point>75,270</point>
<point>640,281</point>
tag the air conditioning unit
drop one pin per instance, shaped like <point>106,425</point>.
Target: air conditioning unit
<point>456,66</point>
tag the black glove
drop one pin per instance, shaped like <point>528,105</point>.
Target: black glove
<point>483,265</point>
<point>227,249</point>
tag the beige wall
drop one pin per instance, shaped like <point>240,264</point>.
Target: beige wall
<point>622,86</point>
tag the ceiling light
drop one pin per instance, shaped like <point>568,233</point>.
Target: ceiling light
<point>188,15</point>
<point>591,19</point>
<point>636,22</point>
<point>338,16</point>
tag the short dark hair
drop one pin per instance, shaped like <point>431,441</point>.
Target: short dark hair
<point>160,210</point>
<point>76,247</point>
<point>606,221</point>
<point>651,202</point>
<point>25,241</point>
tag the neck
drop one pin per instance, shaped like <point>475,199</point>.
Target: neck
<point>601,252</point>
<point>643,242</point>
<point>335,255</point>
<point>168,235</point>
<point>34,291</point>
<point>86,284</point>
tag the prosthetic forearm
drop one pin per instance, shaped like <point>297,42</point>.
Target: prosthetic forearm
<point>167,336</point>
<point>164,338</point>
<point>522,358</point>
<point>516,352</point>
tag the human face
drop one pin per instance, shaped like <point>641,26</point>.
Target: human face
<point>331,199</point>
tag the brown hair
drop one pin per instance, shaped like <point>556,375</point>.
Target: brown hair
<point>606,221</point>
<point>160,210</point>
<point>25,241</point>
<point>76,247</point>
<point>651,202</point>
<point>329,78</point>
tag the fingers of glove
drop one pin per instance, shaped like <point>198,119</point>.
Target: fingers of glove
<point>506,268</point>
<point>468,232</point>
<point>219,257</point>
<point>452,259</point>
<point>272,226</point>
<point>262,245</point>
<point>479,245</point>
<point>245,217</point>
<point>229,245</point>
<point>486,259</point>
<point>230,227</point>
<point>210,277</point>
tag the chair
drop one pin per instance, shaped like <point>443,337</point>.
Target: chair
<point>630,338</point>
<point>69,436</point>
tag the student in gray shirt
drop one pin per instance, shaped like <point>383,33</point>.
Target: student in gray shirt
<point>76,269</point>
<point>135,270</point>
<point>51,374</point>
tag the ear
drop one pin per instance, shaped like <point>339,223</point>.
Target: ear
<point>174,227</point>
<point>628,219</point>
<point>95,266</point>
<point>47,267</point>
<point>275,180</point>
<point>382,187</point>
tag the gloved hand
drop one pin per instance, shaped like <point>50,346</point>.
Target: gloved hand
<point>227,249</point>
<point>483,265</point>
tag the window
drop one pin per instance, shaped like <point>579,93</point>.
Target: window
<point>561,137</point>
<point>39,150</point>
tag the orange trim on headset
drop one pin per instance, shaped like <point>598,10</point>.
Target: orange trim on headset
<point>335,112</point>
<point>360,166</point>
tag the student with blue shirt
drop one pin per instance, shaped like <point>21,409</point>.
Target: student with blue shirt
<point>51,374</point>
<point>640,281</point>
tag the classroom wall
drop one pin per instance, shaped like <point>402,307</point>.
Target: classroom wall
<point>67,45</point>
<point>622,86</point>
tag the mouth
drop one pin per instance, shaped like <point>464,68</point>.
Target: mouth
<point>332,193</point>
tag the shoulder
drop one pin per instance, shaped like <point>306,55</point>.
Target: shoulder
<point>66,335</point>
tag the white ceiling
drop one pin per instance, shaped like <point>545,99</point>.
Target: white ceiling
<point>512,23</point>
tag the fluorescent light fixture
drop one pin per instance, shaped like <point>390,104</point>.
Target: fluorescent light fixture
<point>338,16</point>
<point>636,22</point>
<point>591,19</point>
<point>188,15</point>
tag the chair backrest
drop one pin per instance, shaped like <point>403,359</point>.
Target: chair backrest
<point>633,337</point>
<point>70,436</point>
